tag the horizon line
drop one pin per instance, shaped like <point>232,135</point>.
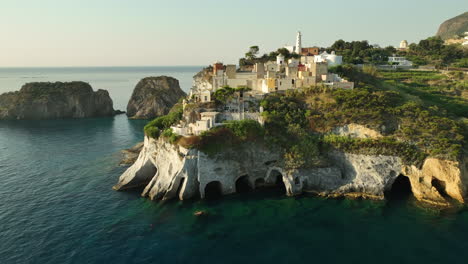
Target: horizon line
<point>101,66</point>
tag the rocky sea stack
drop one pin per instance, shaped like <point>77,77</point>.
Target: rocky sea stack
<point>154,96</point>
<point>46,100</point>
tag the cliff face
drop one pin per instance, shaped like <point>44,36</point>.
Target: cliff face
<point>167,171</point>
<point>454,26</point>
<point>154,96</point>
<point>55,100</point>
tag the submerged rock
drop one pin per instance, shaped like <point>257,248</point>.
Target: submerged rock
<point>46,100</point>
<point>199,213</point>
<point>131,154</point>
<point>154,96</point>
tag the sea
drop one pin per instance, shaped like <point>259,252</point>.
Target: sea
<point>57,204</point>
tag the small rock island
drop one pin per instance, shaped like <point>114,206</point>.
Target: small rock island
<point>48,100</point>
<point>153,97</point>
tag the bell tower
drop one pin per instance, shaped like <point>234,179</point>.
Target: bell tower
<point>298,47</point>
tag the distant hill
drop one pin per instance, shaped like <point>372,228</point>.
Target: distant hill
<point>454,26</point>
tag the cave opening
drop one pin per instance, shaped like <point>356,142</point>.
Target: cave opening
<point>213,190</point>
<point>243,184</point>
<point>400,189</point>
<point>440,187</point>
<point>279,183</point>
<point>259,183</point>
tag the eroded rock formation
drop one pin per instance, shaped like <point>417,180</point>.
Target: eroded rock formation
<point>154,96</point>
<point>169,171</point>
<point>45,100</point>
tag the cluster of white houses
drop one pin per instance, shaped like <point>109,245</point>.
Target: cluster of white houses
<point>309,69</point>
<point>280,75</point>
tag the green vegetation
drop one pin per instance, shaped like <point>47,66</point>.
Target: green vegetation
<point>433,51</point>
<point>410,154</point>
<point>360,52</point>
<point>417,112</point>
<point>226,93</point>
<point>286,126</point>
<point>153,129</point>
<point>251,56</point>
<point>428,51</point>
<point>232,134</point>
<point>431,89</point>
<point>418,121</point>
<point>462,63</point>
<point>170,136</point>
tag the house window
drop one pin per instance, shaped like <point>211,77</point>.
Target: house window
<point>206,98</point>
<point>292,81</point>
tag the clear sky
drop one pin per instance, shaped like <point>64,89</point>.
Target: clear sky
<point>198,32</point>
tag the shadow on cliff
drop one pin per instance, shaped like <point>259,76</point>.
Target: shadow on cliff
<point>348,173</point>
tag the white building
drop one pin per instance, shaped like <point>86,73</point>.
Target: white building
<point>466,39</point>
<point>332,59</point>
<point>206,122</point>
<point>400,61</point>
<point>403,45</point>
<point>280,59</point>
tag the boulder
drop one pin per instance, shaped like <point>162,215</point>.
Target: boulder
<point>47,100</point>
<point>153,97</point>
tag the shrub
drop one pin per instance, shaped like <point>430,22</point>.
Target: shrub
<point>384,146</point>
<point>170,135</point>
<point>231,134</point>
<point>153,128</point>
<point>190,142</point>
<point>245,129</point>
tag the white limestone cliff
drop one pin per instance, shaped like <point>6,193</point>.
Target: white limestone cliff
<point>168,171</point>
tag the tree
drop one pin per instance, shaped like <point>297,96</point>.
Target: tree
<point>252,53</point>
<point>338,45</point>
<point>451,53</point>
<point>222,95</point>
<point>284,51</point>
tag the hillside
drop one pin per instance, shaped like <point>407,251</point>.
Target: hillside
<point>454,26</point>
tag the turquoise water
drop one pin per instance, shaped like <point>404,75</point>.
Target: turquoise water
<point>57,206</point>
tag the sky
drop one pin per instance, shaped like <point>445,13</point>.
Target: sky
<point>65,33</point>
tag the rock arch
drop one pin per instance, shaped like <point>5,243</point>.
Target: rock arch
<point>243,184</point>
<point>259,183</point>
<point>399,189</point>
<point>139,174</point>
<point>213,190</point>
<point>275,178</point>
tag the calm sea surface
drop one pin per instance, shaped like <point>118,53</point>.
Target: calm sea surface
<point>57,205</point>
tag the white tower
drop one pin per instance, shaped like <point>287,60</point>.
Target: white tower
<point>298,47</point>
<point>403,44</point>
